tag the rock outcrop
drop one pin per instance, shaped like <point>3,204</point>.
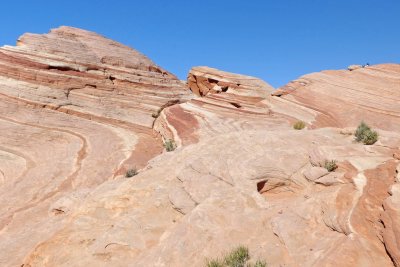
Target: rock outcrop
<point>341,98</point>
<point>226,102</point>
<point>246,187</point>
<point>204,80</point>
<point>78,110</point>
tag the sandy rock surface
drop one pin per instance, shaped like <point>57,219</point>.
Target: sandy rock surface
<point>343,98</point>
<point>77,110</point>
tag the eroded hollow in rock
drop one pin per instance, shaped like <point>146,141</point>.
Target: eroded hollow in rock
<point>277,187</point>
<point>236,105</point>
<point>210,80</point>
<point>260,185</point>
<point>61,68</point>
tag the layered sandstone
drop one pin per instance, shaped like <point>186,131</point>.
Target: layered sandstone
<point>84,74</point>
<point>343,98</point>
<point>225,102</point>
<point>204,80</point>
<point>248,187</point>
<point>78,110</point>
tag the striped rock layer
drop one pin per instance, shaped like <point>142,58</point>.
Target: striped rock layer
<point>342,98</point>
<point>75,111</point>
<point>78,110</point>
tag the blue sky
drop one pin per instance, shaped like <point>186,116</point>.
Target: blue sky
<point>277,41</point>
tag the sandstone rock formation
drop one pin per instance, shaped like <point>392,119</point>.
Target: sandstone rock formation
<point>205,80</point>
<point>226,102</point>
<point>343,98</point>
<point>78,110</point>
<point>75,111</point>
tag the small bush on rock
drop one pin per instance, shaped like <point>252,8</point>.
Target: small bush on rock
<point>170,145</point>
<point>299,125</point>
<point>365,134</point>
<point>236,258</point>
<point>260,264</point>
<point>131,172</point>
<point>330,165</point>
<point>370,137</point>
<point>215,263</point>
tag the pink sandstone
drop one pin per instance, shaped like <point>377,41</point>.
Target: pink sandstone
<point>78,110</point>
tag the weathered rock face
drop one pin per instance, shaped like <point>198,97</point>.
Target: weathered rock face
<point>85,74</point>
<point>75,110</point>
<point>343,98</point>
<point>78,110</point>
<point>205,80</point>
<point>226,102</point>
<point>201,200</point>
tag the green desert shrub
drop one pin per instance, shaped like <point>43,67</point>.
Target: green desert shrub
<point>260,264</point>
<point>299,125</point>
<point>170,145</point>
<point>215,263</point>
<point>131,172</point>
<point>365,134</point>
<point>330,165</point>
<point>236,258</point>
